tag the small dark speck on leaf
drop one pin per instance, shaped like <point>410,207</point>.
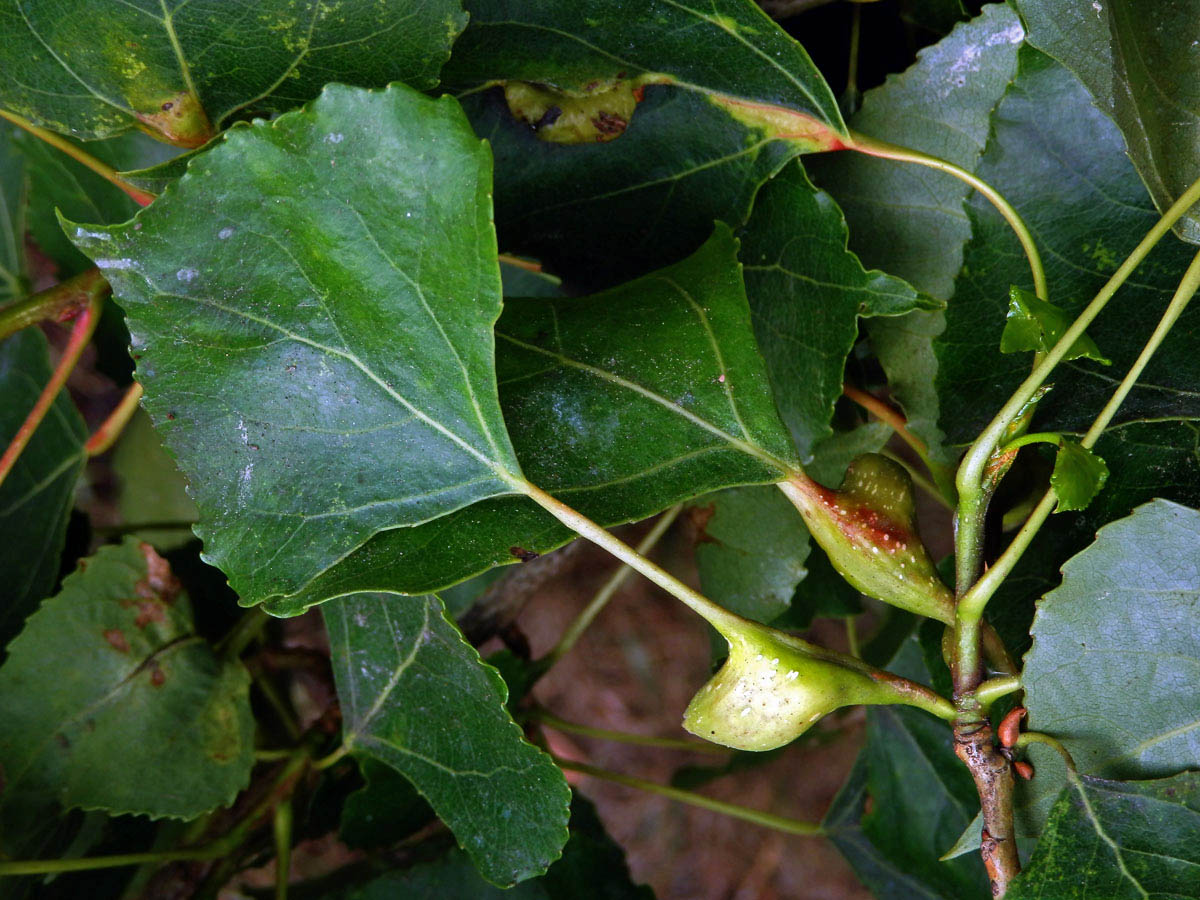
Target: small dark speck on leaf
<point>168,106</point>
<point>63,741</point>
<point>171,416</point>
<point>157,677</point>
<point>522,554</point>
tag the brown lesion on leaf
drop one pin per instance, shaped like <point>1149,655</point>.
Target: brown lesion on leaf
<point>157,676</point>
<point>160,583</point>
<point>699,517</point>
<point>116,639</point>
<point>179,119</point>
<point>599,111</point>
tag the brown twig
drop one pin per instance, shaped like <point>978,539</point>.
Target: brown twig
<point>973,744</point>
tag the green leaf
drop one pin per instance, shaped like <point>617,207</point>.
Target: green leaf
<point>385,810</point>
<point>303,426</point>
<point>1063,165</point>
<point>1035,324</point>
<point>806,294</point>
<point>151,488</point>
<point>906,773</point>
<point>1146,460</point>
<point>416,696</point>
<point>728,98</point>
<point>126,662</point>
<point>603,213</point>
<point>592,865</point>
<point>37,496</point>
<point>1078,476</point>
<point>13,209</point>
<point>1139,64</point>
<point>914,776</point>
<point>1110,663</point>
<point>723,49</point>
<point>97,69</point>
<point>751,551</point>
<point>1118,839</point>
<point>908,219</point>
<point>664,368</point>
<point>822,593</point>
<point>59,183</point>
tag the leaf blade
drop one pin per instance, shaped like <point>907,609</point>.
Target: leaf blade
<point>417,697</point>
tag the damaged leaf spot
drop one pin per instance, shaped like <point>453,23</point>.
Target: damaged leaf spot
<point>599,112</point>
<point>178,120</point>
<point>116,639</point>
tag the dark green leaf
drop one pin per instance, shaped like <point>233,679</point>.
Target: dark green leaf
<point>751,551</point>
<point>1078,476</point>
<point>1113,839</point>
<point>37,496</point>
<point>151,488</point>
<point>938,16</point>
<point>1146,460</point>
<point>602,213</point>
<point>13,211</point>
<point>1062,164</point>
<point>665,369</point>
<point>905,218</point>
<point>1139,63</point>
<point>723,48</point>
<point>125,663</point>
<point>914,776</point>
<point>1111,664</point>
<point>524,283</point>
<point>729,97</point>
<point>908,219</point>
<point>59,183</point>
<point>806,294</point>
<point>823,592</point>
<point>95,69</point>
<point>303,426</point>
<point>385,810</point>
<point>592,866</point>
<point>416,696</point>
<point>843,825</point>
<point>1034,324</point>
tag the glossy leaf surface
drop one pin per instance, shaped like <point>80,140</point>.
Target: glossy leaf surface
<point>1048,133</point>
<point>665,369</point>
<point>1079,474</point>
<point>751,550</point>
<point>321,368</point>
<point>728,98</point>
<point>125,661</point>
<point>96,69</point>
<point>908,219</point>
<point>1139,64</point>
<point>416,696</point>
<point>807,292</point>
<point>726,47</point>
